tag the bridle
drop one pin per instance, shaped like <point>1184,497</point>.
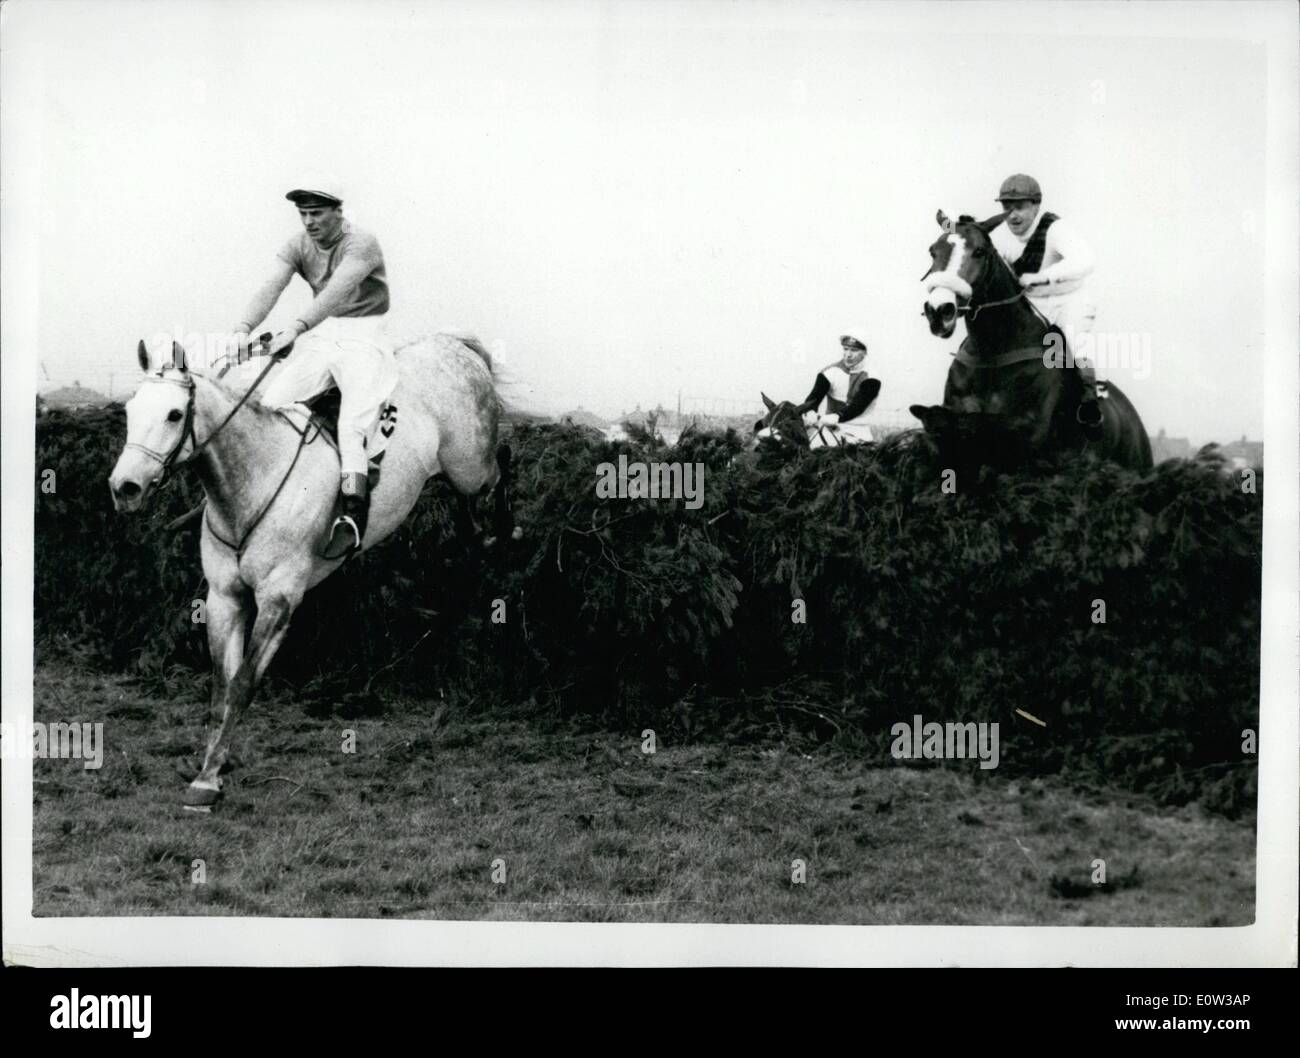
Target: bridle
<point>168,460</point>
<point>187,434</point>
<point>305,437</point>
<point>795,437</point>
<point>971,309</point>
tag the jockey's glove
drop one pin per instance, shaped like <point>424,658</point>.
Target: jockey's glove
<point>829,419</point>
<point>810,418</point>
<point>1034,279</point>
<point>284,339</point>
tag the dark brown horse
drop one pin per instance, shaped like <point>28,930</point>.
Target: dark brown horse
<point>1003,402</point>
<point>783,424</point>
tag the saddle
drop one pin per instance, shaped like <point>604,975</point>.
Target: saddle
<point>324,411</point>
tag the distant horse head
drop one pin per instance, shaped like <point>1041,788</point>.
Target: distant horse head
<point>159,424</point>
<point>965,272</point>
<point>782,424</point>
<point>966,440</point>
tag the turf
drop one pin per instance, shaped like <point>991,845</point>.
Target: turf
<point>588,827</point>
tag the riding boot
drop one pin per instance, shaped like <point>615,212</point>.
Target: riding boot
<point>1088,414</point>
<point>349,528</point>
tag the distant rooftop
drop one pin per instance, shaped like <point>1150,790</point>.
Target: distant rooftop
<point>74,396</point>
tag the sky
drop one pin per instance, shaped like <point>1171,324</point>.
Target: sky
<point>635,202</point>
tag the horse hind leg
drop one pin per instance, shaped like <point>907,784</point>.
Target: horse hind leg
<point>496,481</point>
<point>503,516</point>
<point>467,528</point>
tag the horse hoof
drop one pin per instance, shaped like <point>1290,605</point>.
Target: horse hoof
<point>200,798</point>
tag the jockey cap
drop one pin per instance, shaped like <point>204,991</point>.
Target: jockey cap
<point>855,334</point>
<point>317,190</point>
<point>1020,188</point>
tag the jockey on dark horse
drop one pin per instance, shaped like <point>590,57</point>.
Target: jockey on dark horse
<point>844,390</point>
<point>338,339</point>
<point>1052,261</point>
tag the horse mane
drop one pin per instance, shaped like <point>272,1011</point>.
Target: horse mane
<point>254,403</point>
<point>985,228</point>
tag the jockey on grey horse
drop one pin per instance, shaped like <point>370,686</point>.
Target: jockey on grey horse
<point>338,339</point>
<point>841,396</point>
<point>1052,261</point>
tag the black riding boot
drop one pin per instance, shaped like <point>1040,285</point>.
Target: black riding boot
<point>1088,414</point>
<point>349,528</point>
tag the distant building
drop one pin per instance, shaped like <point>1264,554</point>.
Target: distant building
<point>1244,453</point>
<point>580,416</point>
<point>75,396</point>
<point>1165,447</point>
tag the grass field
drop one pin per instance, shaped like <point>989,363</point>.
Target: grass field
<point>588,827</point>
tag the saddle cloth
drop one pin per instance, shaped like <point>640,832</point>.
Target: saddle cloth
<point>323,410</point>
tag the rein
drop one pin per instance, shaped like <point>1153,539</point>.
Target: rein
<point>305,437</point>
<point>972,309</point>
<point>238,404</point>
<point>187,431</point>
<point>303,441</point>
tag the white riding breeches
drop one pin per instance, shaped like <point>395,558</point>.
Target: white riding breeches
<point>1075,314</point>
<point>354,353</point>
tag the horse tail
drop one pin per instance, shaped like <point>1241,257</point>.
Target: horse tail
<point>475,344</point>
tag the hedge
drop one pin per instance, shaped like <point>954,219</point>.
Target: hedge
<point>958,605</point>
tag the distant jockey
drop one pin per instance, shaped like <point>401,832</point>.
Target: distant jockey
<point>836,408</point>
<point>1052,260</point>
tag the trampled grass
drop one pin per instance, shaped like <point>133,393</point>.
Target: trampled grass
<point>588,827</point>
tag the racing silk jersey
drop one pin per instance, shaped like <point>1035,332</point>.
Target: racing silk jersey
<point>847,394</point>
<point>317,265</point>
<point>1067,259</point>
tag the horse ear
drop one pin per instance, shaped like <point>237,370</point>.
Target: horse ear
<point>767,401</point>
<point>944,222</point>
<point>988,225</point>
<point>935,418</point>
<point>178,356</point>
<point>142,354</point>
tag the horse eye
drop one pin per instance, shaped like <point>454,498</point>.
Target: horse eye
<point>173,416</point>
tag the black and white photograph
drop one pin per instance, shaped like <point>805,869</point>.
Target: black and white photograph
<point>470,466</point>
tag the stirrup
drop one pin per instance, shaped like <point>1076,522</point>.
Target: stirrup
<point>344,547</point>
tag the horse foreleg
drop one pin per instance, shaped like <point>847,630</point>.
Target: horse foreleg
<point>226,614</point>
<point>274,609</point>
